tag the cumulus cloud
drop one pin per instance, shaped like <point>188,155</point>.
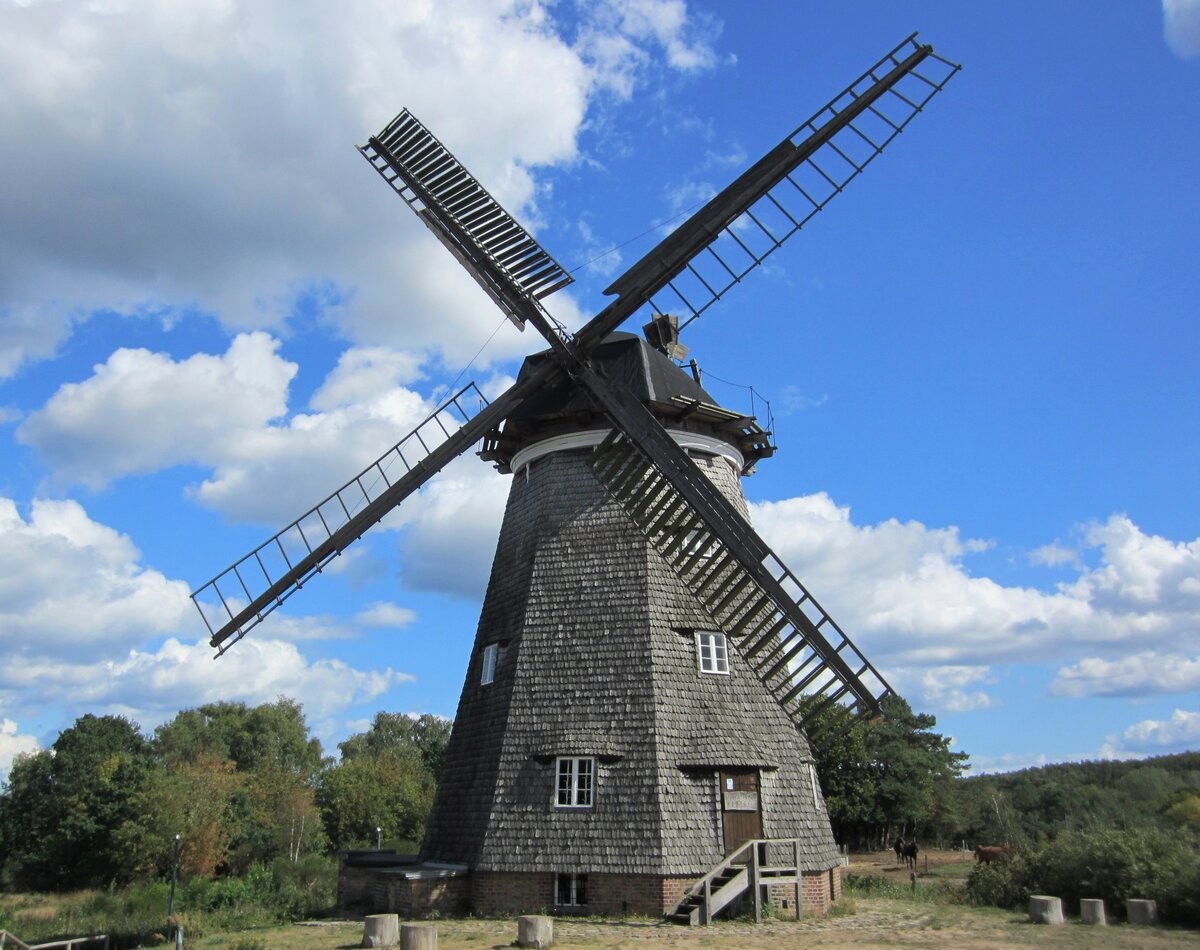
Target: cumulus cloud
<point>1140,674</point>
<point>140,412</point>
<point>69,583</point>
<point>150,686</point>
<point>385,614</point>
<point>907,593</point>
<point>1181,27</point>
<point>12,744</point>
<point>210,163</point>
<point>451,530</point>
<point>1158,736</point>
<point>946,687</point>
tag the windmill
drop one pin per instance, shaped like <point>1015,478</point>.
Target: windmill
<point>625,555</point>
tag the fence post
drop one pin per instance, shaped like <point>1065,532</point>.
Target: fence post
<point>754,882</point>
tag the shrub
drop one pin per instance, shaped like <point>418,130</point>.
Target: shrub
<point>1115,865</point>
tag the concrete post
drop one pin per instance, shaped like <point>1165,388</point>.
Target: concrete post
<point>418,937</point>
<point>381,930</point>
<point>1142,912</point>
<point>537,932</point>
<point>1045,910</point>
<point>1091,911</point>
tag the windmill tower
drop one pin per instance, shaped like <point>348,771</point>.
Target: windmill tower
<point>629,735</point>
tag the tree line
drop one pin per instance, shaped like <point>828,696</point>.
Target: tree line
<point>895,775</point>
<point>246,786</point>
<point>240,785</point>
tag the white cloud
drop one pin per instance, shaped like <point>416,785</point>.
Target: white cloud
<point>904,591</point>
<point>12,744</point>
<point>141,411</point>
<point>207,162</point>
<point>363,373</point>
<point>452,528</point>
<point>1159,737</point>
<point>69,583</point>
<point>945,687</point>
<point>151,686</point>
<point>1181,27</point>
<point>1054,555</point>
<point>385,614</point>
<point>1140,674</point>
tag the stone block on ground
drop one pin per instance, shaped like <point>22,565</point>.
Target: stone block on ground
<point>381,930</point>
<point>1142,912</point>
<point>1091,911</point>
<point>1045,910</point>
<point>535,932</point>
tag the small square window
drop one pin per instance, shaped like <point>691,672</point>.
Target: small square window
<point>491,653</point>
<point>576,782</point>
<point>713,652</point>
<point>570,890</point>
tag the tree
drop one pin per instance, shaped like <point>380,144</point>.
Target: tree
<point>391,789</point>
<point>429,735</point>
<point>62,807</point>
<point>839,746</point>
<point>884,775</point>
<point>273,811</point>
<point>193,800</point>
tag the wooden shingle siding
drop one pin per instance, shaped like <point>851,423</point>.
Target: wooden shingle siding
<point>595,665</point>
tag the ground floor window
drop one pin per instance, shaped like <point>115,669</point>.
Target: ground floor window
<point>570,890</point>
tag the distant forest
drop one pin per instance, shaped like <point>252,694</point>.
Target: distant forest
<point>248,787</point>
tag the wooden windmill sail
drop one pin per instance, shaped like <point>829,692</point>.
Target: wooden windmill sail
<point>701,554</point>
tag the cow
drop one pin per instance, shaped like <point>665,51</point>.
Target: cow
<point>986,854</point>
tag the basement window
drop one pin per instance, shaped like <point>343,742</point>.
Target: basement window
<point>491,654</point>
<point>570,890</point>
<point>713,652</point>
<point>576,782</point>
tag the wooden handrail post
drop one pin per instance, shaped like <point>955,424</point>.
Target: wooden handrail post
<point>799,888</point>
<point>754,882</point>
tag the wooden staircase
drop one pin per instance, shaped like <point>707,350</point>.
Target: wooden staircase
<point>744,870</point>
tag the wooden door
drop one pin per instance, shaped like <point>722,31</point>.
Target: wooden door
<point>741,816</point>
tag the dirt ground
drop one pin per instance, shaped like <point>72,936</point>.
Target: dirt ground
<point>875,923</point>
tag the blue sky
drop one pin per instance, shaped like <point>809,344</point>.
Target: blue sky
<point>981,357</point>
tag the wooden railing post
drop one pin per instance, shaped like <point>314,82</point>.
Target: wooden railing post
<point>754,882</point>
<point>799,882</point>
<point>707,912</point>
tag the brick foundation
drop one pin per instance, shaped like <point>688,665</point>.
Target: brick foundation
<point>620,895</point>
<point>394,892</point>
<point>818,891</point>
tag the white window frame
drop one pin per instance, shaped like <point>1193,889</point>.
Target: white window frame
<point>575,884</point>
<point>574,781</point>
<point>491,657</point>
<point>712,652</point>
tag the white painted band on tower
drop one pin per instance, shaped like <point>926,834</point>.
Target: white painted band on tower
<point>689,441</point>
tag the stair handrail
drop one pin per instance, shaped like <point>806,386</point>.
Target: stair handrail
<point>730,860</point>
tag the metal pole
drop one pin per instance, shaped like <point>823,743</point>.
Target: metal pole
<point>174,875</point>
<point>378,839</point>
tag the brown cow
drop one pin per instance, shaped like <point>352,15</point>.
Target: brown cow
<point>986,854</point>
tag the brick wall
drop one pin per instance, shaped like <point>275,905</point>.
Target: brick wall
<point>354,888</point>
<point>420,897</point>
<point>616,894</point>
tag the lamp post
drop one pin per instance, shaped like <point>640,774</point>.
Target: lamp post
<point>378,839</point>
<point>174,875</point>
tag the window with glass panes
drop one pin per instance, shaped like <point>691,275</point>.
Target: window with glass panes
<point>713,652</point>
<point>576,782</point>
